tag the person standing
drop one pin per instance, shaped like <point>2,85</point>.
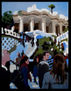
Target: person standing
<point>35,68</point>
<point>22,53</point>
<point>25,72</point>
<point>4,79</point>
<point>58,77</point>
<point>18,59</point>
<point>43,68</point>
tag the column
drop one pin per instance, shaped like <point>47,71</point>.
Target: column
<point>53,27</point>
<point>32,25</point>
<point>20,24</point>
<point>61,28</point>
<point>43,25</point>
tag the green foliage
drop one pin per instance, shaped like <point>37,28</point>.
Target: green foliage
<point>55,47</point>
<point>54,36</point>
<point>64,40</point>
<point>52,6</point>
<point>39,51</point>
<point>20,12</point>
<point>41,43</point>
<point>65,30</point>
<point>7,18</point>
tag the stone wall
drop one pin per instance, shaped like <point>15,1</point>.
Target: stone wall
<point>8,42</point>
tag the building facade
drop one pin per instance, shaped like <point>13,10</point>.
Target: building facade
<point>43,21</point>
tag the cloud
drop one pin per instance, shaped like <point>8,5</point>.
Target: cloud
<point>54,13</point>
<point>63,17</point>
<point>33,7</point>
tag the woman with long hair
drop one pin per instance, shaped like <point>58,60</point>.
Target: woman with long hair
<point>59,67</point>
<point>57,77</point>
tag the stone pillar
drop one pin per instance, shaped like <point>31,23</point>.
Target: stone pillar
<point>32,25</point>
<point>61,28</point>
<point>20,24</point>
<point>53,27</point>
<point>43,25</point>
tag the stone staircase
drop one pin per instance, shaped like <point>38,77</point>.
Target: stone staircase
<point>30,50</point>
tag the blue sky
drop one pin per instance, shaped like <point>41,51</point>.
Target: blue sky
<point>61,7</point>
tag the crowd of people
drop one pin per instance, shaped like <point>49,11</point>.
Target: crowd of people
<point>48,79</point>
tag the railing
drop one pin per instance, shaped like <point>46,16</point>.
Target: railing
<point>9,32</point>
<point>62,36</point>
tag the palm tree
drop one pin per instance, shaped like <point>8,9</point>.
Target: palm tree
<point>52,7</point>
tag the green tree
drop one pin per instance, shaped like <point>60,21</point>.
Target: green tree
<point>65,30</point>
<point>20,12</point>
<point>51,6</point>
<point>7,19</point>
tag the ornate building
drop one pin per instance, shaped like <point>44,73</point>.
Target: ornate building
<point>39,20</point>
